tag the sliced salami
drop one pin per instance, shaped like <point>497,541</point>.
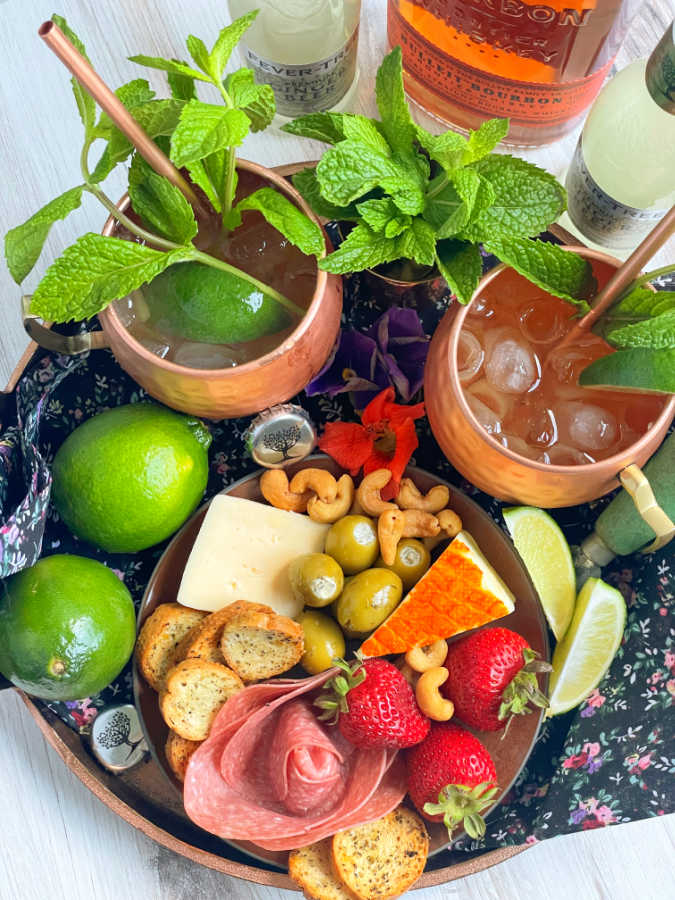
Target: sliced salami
<point>272,774</point>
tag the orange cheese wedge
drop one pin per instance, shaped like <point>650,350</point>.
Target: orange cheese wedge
<point>459,592</point>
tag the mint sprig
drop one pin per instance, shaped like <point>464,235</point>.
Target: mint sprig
<point>424,197</point>
<point>644,338</point>
<point>199,136</point>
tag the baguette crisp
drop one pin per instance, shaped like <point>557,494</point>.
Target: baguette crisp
<point>203,642</point>
<point>159,638</point>
<point>178,751</point>
<point>312,870</point>
<point>258,644</point>
<point>193,693</point>
<point>384,858</point>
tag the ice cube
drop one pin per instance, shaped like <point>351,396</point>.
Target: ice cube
<point>470,356</point>
<point>511,365</point>
<point>487,418</point>
<point>481,309</point>
<point>204,356</point>
<point>518,445</point>
<point>534,421</point>
<point>482,390</point>
<point>587,426</point>
<point>155,346</point>
<point>569,361</point>
<point>132,309</point>
<point>563,455</point>
<point>540,322</point>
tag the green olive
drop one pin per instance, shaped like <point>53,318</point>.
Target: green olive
<point>352,542</point>
<point>412,561</point>
<point>367,601</point>
<point>323,641</point>
<point>316,579</point>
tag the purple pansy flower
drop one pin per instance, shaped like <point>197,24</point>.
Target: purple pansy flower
<point>392,352</point>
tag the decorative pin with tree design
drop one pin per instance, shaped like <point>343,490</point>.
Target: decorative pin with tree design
<point>280,435</point>
<point>116,737</point>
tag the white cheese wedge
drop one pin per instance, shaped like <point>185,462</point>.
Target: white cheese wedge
<point>242,552</point>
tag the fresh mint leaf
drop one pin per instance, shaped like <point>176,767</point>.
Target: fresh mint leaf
<point>326,127</point>
<point>350,169</point>
<point>383,215</point>
<point>156,118</point>
<point>447,149</point>
<point>133,94</point>
<point>182,86</point>
<point>168,65</point>
<point>85,103</point>
<point>160,204</point>
<point>203,129</point>
<point>228,39</point>
<point>359,128</point>
<point>641,303</point>
<point>633,370</point>
<point>23,244</point>
<point>199,176</point>
<point>657,333</point>
<point>527,199</point>
<point>461,265</point>
<point>285,216</point>
<point>485,139</point>
<point>306,183</point>
<point>397,123</point>
<point>199,53</point>
<point>407,197</point>
<point>256,100</point>
<point>418,242</point>
<point>559,272</point>
<point>362,249</point>
<point>95,270</point>
<point>465,196</point>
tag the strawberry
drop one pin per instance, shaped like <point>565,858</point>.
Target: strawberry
<point>451,778</point>
<point>492,677</point>
<point>373,705</point>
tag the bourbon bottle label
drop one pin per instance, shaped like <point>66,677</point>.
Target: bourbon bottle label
<point>533,42</point>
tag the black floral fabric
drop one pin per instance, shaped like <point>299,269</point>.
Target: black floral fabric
<point>610,761</point>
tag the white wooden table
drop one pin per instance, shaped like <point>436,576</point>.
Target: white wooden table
<point>57,839</point>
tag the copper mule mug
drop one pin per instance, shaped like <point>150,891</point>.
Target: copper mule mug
<point>219,393</point>
<point>486,463</point>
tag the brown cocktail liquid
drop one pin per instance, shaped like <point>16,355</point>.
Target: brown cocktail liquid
<point>523,388</point>
<point>256,248</point>
<point>539,64</point>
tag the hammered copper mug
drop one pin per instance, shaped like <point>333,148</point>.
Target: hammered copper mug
<point>218,393</point>
<point>486,463</point>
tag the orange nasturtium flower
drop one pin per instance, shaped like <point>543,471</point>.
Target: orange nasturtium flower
<point>385,439</point>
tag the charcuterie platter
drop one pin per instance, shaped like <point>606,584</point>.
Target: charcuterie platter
<point>527,619</point>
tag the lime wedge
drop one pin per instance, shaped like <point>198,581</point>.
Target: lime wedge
<point>585,653</point>
<point>546,554</point>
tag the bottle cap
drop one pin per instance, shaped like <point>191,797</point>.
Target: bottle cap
<point>280,435</point>
<point>117,739</point>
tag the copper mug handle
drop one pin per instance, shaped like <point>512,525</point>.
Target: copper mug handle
<point>68,345</point>
<point>637,485</point>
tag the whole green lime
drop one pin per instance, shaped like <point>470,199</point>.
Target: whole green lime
<point>67,627</point>
<point>129,477</point>
<point>199,303</point>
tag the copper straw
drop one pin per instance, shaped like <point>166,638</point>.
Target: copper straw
<point>73,60</point>
<point>624,275</point>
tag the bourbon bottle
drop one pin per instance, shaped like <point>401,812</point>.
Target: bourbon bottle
<point>539,64</point>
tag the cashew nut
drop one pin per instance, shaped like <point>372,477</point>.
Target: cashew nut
<point>275,489</point>
<point>429,698</point>
<point>368,492</point>
<point>389,532</point>
<point>421,659</point>
<point>326,513</point>
<point>417,523</point>
<point>410,497</point>
<point>321,482</point>
<point>450,522</point>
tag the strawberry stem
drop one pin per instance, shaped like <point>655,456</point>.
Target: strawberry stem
<point>334,699</point>
<point>461,804</point>
<point>523,689</point>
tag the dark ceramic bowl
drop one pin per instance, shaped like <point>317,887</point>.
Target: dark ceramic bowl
<point>509,755</point>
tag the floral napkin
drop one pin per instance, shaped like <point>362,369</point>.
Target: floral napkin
<point>610,761</point>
